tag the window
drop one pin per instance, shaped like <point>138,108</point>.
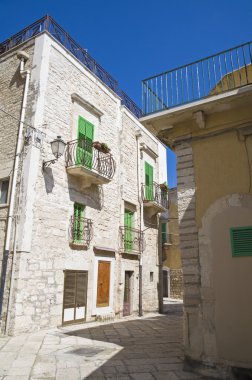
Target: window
<point>241,241</point>
<point>151,276</point>
<point>164,233</point>
<point>78,223</point>
<point>128,225</point>
<point>85,137</point>
<point>4,186</point>
<point>149,182</point>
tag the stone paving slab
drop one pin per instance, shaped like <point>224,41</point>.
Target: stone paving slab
<point>133,348</point>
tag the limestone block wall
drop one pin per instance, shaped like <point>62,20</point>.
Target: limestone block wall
<point>176,283</point>
<point>130,194</point>
<point>189,246</point>
<point>48,197</point>
<point>11,96</point>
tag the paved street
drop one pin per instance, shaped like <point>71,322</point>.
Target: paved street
<point>146,348</point>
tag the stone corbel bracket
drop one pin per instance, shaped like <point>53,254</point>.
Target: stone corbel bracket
<point>200,119</point>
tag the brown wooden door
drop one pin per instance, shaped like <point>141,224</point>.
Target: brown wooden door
<point>75,296</point>
<point>127,294</point>
<point>103,283</point>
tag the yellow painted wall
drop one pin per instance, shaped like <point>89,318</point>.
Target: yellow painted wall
<point>173,257</point>
<point>222,166</point>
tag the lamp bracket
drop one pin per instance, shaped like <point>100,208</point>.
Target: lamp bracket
<point>48,163</point>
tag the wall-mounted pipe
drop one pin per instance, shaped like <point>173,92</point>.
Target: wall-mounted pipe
<point>23,56</point>
<point>140,277</point>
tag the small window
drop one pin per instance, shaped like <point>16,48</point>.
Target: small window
<point>151,276</point>
<point>164,233</point>
<point>241,241</point>
<point>4,186</point>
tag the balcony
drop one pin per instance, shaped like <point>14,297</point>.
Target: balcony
<point>131,241</point>
<point>205,78</point>
<point>80,232</point>
<point>155,198</point>
<point>85,161</point>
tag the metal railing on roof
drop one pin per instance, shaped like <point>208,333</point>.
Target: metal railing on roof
<point>47,23</point>
<point>198,80</point>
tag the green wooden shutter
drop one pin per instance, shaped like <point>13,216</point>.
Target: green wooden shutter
<point>78,222</point>
<point>164,234</point>
<point>128,224</point>
<point>89,133</point>
<point>148,182</point>
<point>241,241</point>
<point>85,136</point>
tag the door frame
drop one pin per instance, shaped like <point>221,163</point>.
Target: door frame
<point>131,279</point>
<point>64,323</point>
<point>167,270</point>
<point>106,309</point>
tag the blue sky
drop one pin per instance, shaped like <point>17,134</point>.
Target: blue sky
<point>135,39</point>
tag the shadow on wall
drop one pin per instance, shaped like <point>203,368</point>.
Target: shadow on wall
<point>16,79</point>
<point>48,179</point>
<point>92,196</point>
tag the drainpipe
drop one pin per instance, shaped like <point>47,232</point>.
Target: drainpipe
<point>140,312</point>
<point>23,56</point>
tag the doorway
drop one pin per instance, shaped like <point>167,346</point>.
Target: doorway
<point>166,283</point>
<point>75,296</point>
<point>103,283</point>
<point>127,293</point>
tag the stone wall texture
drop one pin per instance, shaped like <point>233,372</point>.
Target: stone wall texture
<point>11,95</point>
<point>47,198</point>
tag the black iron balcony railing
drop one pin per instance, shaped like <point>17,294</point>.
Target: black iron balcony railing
<point>80,231</point>
<point>131,240</point>
<point>47,23</point>
<point>206,77</point>
<point>82,153</point>
<point>155,192</point>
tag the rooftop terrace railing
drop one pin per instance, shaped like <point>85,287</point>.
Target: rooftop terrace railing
<point>47,23</point>
<point>198,80</point>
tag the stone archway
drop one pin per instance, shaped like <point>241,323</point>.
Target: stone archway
<point>225,281</point>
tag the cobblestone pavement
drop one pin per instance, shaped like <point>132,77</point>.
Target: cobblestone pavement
<point>134,348</point>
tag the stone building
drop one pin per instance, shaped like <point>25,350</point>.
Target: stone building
<point>172,267</point>
<point>203,112</point>
<point>78,233</point>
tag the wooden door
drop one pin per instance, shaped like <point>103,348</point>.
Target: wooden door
<point>127,294</point>
<point>75,296</point>
<point>103,284</point>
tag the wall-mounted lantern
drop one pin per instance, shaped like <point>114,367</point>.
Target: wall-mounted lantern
<point>58,147</point>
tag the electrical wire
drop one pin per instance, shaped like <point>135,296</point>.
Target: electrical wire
<point>17,119</point>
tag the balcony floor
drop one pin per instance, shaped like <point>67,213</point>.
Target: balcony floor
<point>91,177</point>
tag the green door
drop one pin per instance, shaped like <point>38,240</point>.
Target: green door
<point>84,153</point>
<point>78,224</point>
<point>128,224</point>
<point>148,182</point>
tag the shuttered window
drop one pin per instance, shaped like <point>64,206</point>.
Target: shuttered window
<point>241,241</point>
<point>128,224</point>
<point>78,223</point>
<point>148,182</point>
<point>4,186</point>
<point>85,137</point>
<point>164,233</point>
